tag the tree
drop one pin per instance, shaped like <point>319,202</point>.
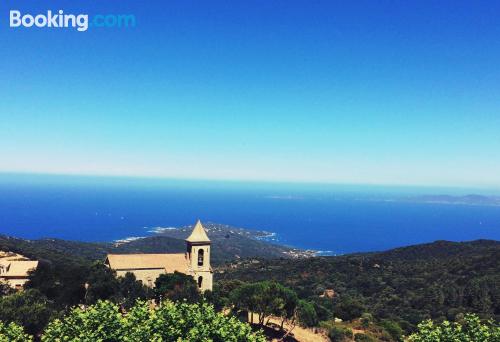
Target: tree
<point>60,283</point>
<point>99,322</point>
<point>249,298</point>
<point>13,333</point>
<point>392,328</point>
<point>29,309</point>
<point>219,297</point>
<point>306,314</point>
<point>187,322</point>
<point>169,322</point>
<point>266,298</point>
<point>470,330</point>
<point>348,308</point>
<point>103,284</point>
<point>131,290</point>
<point>283,302</point>
<point>177,286</point>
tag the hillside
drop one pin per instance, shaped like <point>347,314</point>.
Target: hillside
<point>403,285</point>
<point>229,243</point>
<point>438,280</point>
<point>234,243</point>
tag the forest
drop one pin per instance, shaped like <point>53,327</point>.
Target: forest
<point>386,295</point>
<point>439,280</point>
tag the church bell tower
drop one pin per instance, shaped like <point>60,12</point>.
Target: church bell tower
<point>198,252</point>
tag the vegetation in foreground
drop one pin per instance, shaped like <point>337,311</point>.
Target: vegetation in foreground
<point>468,329</point>
<point>13,333</point>
<point>104,321</point>
<point>378,296</point>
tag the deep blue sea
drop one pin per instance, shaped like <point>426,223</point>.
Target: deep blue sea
<point>332,218</point>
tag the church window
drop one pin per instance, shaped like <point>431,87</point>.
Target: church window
<point>200,257</point>
<point>200,281</point>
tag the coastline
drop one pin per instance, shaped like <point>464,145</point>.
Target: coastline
<point>264,236</point>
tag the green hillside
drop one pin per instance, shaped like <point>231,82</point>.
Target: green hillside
<point>403,286</point>
<point>229,243</point>
<point>437,280</point>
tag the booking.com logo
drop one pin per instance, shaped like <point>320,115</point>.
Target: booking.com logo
<point>81,22</point>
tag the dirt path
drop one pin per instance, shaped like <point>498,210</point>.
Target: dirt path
<point>299,333</point>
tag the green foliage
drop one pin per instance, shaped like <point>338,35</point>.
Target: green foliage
<point>265,298</point>
<point>340,334</point>
<point>177,286</point>
<point>29,309</point>
<point>364,338</point>
<point>64,285</point>
<point>13,333</point>
<point>306,314</point>
<point>170,322</point>
<point>103,284</point>
<point>392,329</point>
<point>470,330</point>
<point>99,322</point>
<point>191,322</point>
<point>219,297</point>
<point>60,283</point>
<point>229,243</point>
<point>130,290</point>
<point>407,285</point>
<point>5,289</point>
<point>249,298</point>
<point>323,308</point>
<point>366,319</point>
<point>348,308</point>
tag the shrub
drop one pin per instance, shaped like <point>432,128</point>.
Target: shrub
<point>364,338</point>
<point>169,322</point>
<point>29,309</point>
<point>470,330</point>
<point>13,333</point>
<point>100,322</point>
<point>366,319</point>
<point>339,334</point>
<point>392,329</point>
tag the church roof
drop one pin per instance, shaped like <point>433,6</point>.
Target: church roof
<point>168,262</point>
<point>18,268</point>
<point>198,234</point>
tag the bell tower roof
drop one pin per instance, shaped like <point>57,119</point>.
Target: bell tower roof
<point>198,234</point>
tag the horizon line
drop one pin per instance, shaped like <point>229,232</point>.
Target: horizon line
<point>235,180</point>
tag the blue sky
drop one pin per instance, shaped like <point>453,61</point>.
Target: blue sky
<point>382,92</point>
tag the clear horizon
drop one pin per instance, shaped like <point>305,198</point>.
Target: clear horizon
<point>48,178</point>
<point>326,92</point>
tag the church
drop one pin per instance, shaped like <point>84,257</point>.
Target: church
<point>147,267</point>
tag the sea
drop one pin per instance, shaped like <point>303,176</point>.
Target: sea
<point>331,219</point>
